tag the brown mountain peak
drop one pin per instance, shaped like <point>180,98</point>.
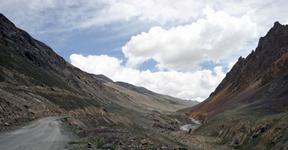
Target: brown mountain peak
<point>258,70</point>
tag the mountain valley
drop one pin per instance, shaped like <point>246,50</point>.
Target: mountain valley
<point>248,109</point>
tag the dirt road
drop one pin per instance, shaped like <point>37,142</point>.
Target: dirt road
<point>43,134</point>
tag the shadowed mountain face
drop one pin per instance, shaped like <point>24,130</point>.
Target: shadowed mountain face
<point>35,81</point>
<point>252,99</point>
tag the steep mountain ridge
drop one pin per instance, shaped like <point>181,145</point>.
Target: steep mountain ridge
<point>261,72</point>
<point>249,108</point>
<point>34,80</point>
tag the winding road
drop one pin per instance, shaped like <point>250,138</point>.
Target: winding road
<point>43,134</point>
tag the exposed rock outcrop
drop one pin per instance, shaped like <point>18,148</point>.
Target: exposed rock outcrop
<point>260,74</point>
<point>249,108</point>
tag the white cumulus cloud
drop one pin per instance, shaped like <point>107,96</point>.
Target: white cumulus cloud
<point>184,47</point>
<point>187,85</point>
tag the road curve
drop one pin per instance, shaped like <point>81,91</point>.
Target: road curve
<point>43,134</point>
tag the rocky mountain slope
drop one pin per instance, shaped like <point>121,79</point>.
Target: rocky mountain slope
<point>36,82</point>
<point>249,108</point>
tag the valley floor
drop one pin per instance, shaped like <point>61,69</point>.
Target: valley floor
<point>160,131</point>
<point>51,133</point>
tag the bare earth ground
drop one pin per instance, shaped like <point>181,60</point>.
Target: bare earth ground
<point>51,134</point>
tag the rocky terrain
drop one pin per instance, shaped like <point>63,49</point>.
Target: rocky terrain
<point>35,82</point>
<point>249,108</point>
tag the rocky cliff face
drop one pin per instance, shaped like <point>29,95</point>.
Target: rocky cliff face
<point>249,107</point>
<point>261,66</point>
<point>251,79</point>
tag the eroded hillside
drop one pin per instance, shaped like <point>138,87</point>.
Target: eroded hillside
<point>249,107</point>
<point>36,82</point>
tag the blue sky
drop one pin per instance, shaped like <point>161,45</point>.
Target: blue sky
<point>107,39</point>
<point>179,48</point>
